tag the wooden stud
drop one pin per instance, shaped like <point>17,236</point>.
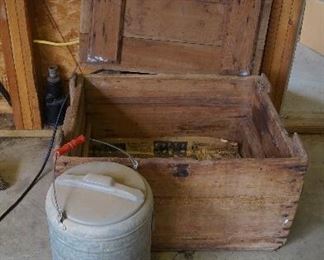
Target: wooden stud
<point>10,66</point>
<point>285,21</point>
<point>17,43</point>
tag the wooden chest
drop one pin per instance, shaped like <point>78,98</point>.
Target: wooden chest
<point>224,172</point>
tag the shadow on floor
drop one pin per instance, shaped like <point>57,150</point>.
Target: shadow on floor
<point>310,211</point>
<point>302,106</point>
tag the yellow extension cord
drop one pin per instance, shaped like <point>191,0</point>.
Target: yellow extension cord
<point>57,44</point>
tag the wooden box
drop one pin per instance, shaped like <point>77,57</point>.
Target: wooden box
<point>245,202</point>
<point>224,172</point>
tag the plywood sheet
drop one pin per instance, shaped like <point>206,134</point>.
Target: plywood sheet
<point>58,21</point>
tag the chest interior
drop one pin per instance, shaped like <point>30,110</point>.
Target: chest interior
<point>196,117</point>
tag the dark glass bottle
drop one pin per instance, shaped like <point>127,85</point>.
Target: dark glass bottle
<point>54,98</point>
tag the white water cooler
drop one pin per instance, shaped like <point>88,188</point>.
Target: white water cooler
<point>107,213</point>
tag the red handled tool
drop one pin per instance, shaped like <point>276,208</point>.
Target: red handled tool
<point>70,145</point>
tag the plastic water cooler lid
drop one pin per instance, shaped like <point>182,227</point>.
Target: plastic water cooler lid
<point>100,193</point>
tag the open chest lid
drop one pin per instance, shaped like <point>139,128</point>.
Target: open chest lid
<point>174,36</point>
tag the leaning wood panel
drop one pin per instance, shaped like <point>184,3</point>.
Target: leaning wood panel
<point>186,36</point>
<point>19,63</point>
<point>49,23</point>
<point>285,22</point>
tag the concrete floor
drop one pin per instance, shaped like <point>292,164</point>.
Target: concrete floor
<point>305,95</point>
<point>23,234</point>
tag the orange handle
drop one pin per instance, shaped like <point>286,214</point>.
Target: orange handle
<point>70,145</point>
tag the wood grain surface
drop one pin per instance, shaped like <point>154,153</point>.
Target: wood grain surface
<point>181,36</point>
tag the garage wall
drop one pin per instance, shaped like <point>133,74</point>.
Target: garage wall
<point>313,27</point>
<point>56,20</point>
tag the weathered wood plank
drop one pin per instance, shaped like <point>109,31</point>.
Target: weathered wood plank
<point>49,22</point>
<point>145,55</point>
<point>208,37</point>
<point>251,146</point>
<point>196,22</point>
<point>241,33</point>
<point>273,136</point>
<point>240,203</point>
<point>154,106</point>
<point>234,89</point>
<point>75,120</point>
<point>105,31</point>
